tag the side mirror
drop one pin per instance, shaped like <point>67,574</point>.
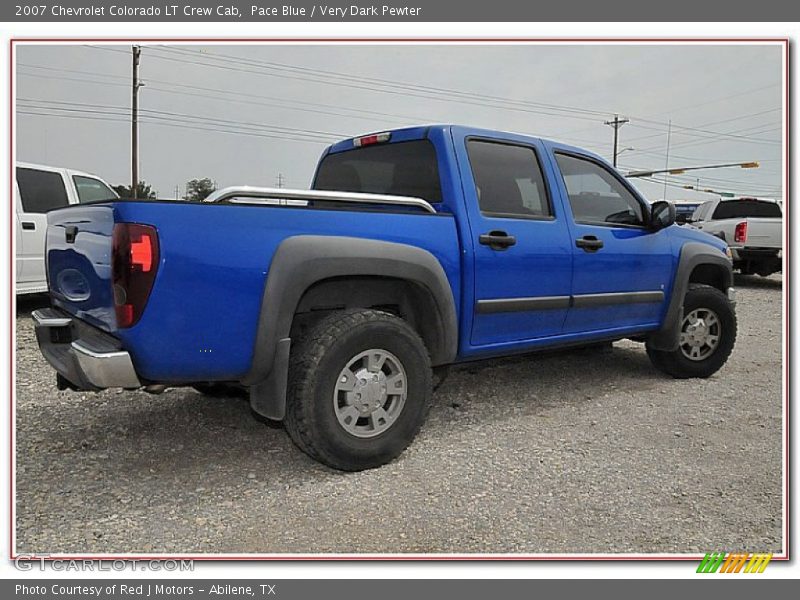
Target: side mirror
<point>662,214</point>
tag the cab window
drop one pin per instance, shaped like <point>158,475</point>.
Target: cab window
<point>508,180</point>
<point>596,195</point>
<point>399,169</point>
<point>92,190</point>
<point>41,191</point>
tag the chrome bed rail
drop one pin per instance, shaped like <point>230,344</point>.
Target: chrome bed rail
<point>261,195</point>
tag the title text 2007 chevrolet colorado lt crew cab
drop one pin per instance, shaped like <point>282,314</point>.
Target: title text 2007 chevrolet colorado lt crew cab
<point>415,249</point>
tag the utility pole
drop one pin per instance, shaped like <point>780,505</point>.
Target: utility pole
<point>666,160</point>
<point>616,124</point>
<point>135,85</point>
<point>280,180</point>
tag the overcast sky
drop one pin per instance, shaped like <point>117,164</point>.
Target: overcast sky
<point>245,114</point>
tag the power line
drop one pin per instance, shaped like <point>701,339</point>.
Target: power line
<point>708,140</point>
<point>320,74</point>
<point>283,67</point>
<point>400,90</point>
<point>409,121</point>
<point>403,117</point>
<point>290,103</point>
<point>350,81</point>
<point>746,92</point>
<point>82,106</point>
<point>190,121</point>
<point>740,186</point>
<point>741,192</point>
<point>736,118</point>
<point>172,123</point>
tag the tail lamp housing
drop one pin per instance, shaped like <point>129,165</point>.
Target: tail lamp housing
<point>134,264</point>
<point>740,233</point>
<point>374,138</point>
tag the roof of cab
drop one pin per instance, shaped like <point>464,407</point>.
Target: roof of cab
<point>417,132</point>
<point>67,170</point>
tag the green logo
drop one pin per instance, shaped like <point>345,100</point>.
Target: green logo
<point>734,562</point>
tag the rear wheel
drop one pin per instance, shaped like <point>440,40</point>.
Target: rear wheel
<point>707,335</point>
<point>359,389</point>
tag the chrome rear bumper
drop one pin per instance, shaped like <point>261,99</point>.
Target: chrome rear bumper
<point>88,358</point>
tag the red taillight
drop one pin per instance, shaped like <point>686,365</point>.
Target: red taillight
<point>142,253</point>
<point>740,233</point>
<point>375,138</point>
<point>133,266</point>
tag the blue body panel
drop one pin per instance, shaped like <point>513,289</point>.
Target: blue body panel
<point>201,318</point>
<point>633,259</point>
<point>539,264</point>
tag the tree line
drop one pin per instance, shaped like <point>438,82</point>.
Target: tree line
<point>197,190</point>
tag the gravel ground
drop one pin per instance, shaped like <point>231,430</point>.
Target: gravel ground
<point>580,452</point>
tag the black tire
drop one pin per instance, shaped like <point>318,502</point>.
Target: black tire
<point>674,362</point>
<point>315,367</point>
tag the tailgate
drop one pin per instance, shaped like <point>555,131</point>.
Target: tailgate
<point>764,233</point>
<point>79,249</point>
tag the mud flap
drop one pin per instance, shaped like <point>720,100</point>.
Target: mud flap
<point>268,397</point>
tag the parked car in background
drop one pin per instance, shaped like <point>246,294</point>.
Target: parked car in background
<point>417,248</point>
<point>684,211</point>
<point>752,227</point>
<point>39,189</point>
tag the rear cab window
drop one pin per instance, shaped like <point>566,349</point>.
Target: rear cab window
<point>41,191</point>
<point>92,190</point>
<point>396,169</point>
<point>746,207</point>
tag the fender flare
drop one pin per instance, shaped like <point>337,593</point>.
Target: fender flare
<point>301,261</point>
<point>692,255</point>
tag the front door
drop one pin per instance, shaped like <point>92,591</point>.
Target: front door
<point>522,253</point>
<point>622,268</point>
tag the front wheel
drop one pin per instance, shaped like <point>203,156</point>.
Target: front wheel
<point>359,389</point>
<point>707,335</point>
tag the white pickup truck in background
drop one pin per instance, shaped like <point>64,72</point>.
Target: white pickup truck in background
<point>752,227</point>
<point>38,189</point>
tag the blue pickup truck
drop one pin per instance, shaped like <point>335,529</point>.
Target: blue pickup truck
<point>415,249</point>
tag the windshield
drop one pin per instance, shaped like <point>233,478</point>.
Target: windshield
<point>400,169</point>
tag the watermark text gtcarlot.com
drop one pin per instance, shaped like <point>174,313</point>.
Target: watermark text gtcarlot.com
<point>28,562</point>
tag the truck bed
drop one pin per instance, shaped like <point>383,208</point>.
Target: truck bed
<point>213,263</point>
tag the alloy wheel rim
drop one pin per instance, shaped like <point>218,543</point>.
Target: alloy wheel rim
<point>700,334</point>
<point>370,393</point>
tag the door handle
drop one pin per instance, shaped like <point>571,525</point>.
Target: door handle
<point>497,240</point>
<point>70,232</point>
<point>589,243</point>
<point>29,226</point>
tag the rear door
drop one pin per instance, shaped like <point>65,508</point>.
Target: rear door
<point>522,256</point>
<point>622,268</point>
<point>40,192</point>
